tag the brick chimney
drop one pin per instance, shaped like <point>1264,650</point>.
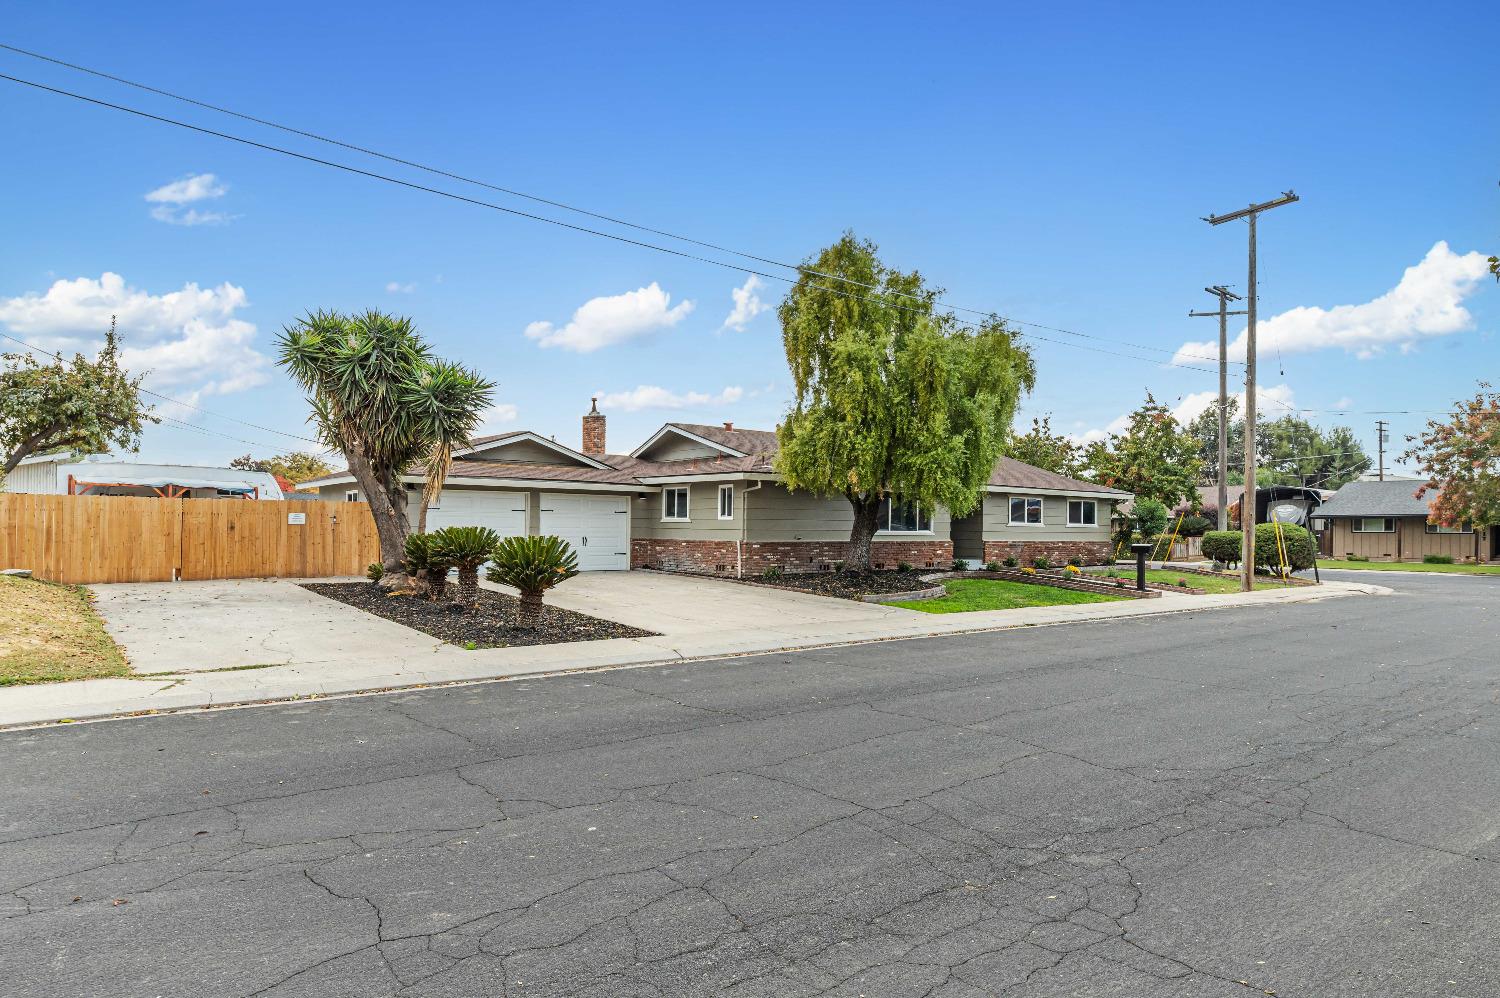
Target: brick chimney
<point>593,430</point>
<point>728,426</point>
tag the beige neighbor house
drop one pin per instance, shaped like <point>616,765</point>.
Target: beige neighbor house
<point>1385,521</point>
<point>706,499</point>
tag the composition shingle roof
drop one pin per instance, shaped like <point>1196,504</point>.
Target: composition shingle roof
<point>747,441</point>
<point>1012,474</point>
<point>1389,498</point>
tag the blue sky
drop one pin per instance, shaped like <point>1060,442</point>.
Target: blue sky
<point>1051,164</point>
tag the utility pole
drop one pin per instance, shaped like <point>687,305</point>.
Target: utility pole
<point>1247,503</point>
<point>1381,435</point>
<point>1225,296</point>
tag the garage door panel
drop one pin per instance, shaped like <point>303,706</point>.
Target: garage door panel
<point>502,512</point>
<point>597,528</point>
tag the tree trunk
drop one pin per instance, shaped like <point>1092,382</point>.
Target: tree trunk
<point>389,513</point>
<point>529,613</point>
<point>862,533</point>
<point>437,585</point>
<point>468,584</point>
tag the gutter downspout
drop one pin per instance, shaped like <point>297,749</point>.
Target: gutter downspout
<point>739,547</point>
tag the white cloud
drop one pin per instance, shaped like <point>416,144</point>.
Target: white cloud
<point>187,340</point>
<point>1427,302</point>
<point>170,200</point>
<point>656,397</point>
<point>747,304</point>
<point>600,322</point>
<point>1344,403</point>
<point>397,288</point>
<point>496,417</point>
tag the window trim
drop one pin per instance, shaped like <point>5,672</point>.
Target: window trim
<point>1357,525</point>
<point>1086,526</point>
<point>921,531</point>
<point>351,495</point>
<point>687,503</point>
<point>727,488</point>
<point>1041,509</point>
<point>1437,529</point>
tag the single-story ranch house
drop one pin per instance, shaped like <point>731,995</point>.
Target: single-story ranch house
<point>706,499</point>
<point>1385,521</point>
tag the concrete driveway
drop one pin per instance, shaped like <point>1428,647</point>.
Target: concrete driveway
<point>198,644</point>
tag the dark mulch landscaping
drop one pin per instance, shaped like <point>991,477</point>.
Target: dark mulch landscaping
<point>850,585</point>
<point>490,624</point>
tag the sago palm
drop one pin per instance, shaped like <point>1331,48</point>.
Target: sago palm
<point>532,565</point>
<point>427,564</point>
<point>466,548</point>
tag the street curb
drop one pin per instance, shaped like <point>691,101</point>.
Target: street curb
<point>1156,609</point>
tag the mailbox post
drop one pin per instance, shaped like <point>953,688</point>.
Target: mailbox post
<point>1140,551</point>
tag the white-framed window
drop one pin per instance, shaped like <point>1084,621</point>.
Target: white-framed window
<point>1082,513</point>
<point>1025,511</point>
<point>1373,525</point>
<point>674,503</point>
<point>903,517</point>
<point>352,495</point>
<point>726,502</point>
<point>1438,528</point>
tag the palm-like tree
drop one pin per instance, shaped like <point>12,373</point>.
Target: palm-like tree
<point>427,565</point>
<point>447,403</point>
<point>532,565</point>
<point>466,548</point>
<point>379,396</point>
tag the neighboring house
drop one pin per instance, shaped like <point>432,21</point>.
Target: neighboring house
<point>1385,521</point>
<point>101,475</point>
<point>706,499</point>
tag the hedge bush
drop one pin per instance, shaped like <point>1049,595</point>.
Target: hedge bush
<point>1301,548</point>
<point>1438,559</point>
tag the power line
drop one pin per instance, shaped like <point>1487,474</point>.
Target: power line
<point>541,200</point>
<point>175,401</point>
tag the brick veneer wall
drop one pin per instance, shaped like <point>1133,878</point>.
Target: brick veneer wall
<point>718,557</point>
<point>1056,552</point>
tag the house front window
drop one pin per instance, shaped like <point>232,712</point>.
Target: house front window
<point>1025,511</point>
<point>1374,525</point>
<point>726,502</point>
<point>674,503</point>
<point>1082,513</point>
<point>1438,528</point>
<point>903,517</point>
<point>351,496</point>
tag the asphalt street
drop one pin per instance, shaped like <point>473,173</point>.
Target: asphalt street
<point>1297,800</point>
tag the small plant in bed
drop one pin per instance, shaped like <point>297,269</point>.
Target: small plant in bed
<point>532,565</point>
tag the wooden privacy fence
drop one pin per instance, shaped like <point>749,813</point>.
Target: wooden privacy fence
<point>83,539</point>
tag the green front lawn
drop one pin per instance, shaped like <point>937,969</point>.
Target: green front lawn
<point>1407,566</point>
<point>997,594</point>
<point>51,634</point>
<point>1208,583</point>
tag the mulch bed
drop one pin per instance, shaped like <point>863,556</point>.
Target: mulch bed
<point>848,585</point>
<point>490,624</point>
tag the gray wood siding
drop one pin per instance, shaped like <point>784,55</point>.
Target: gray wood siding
<point>780,515</point>
<point>525,451</point>
<point>1054,525</point>
<point>677,448</point>
<point>1409,542</point>
<point>703,523</point>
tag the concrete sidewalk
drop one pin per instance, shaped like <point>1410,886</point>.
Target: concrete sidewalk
<point>250,641</point>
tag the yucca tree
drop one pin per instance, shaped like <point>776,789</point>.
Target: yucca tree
<point>466,548</point>
<point>532,565</point>
<point>380,397</point>
<point>427,565</point>
<point>447,403</point>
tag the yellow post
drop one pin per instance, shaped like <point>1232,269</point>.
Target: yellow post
<point>1175,527</point>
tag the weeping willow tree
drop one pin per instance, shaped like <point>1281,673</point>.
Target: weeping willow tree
<point>892,398</point>
<point>380,397</point>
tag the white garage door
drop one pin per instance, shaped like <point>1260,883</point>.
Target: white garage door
<point>502,512</point>
<point>598,527</point>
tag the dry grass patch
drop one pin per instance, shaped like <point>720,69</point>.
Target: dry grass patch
<point>50,633</point>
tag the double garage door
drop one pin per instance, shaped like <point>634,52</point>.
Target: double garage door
<point>597,526</point>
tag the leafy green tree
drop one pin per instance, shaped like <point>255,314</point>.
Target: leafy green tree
<point>531,566</point>
<point>380,397</point>
<point>891,400</point>
<point>1041,448</point>
<point>1292,451</point>
<point>1460,455</point>
<point>295,466</point>
<point>466,548</point>
<point>77,405</point>
<point>1205,432</point>
<point>1149,517</point>
<point>1154,458</point>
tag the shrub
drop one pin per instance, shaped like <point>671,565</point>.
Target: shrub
<point>1073,570</point>
<point>1075,561</point>
<point>466,548</point>
<point>1301,548</point>
<point>1183,583</point>
<point>992,566</point>
<point>1150,516</point>
<point>1438,559</point>
<point>1356,557</point>
<point>1029,571</point>
<point>1223,546</point>
<point>903,566</point>
<point>532,565</point>
<point>1040,563</point>
<point>1119,583</point>
<point>1012,561</point>
<point>375,571</point>
<point>772,573</point>
<point>1194,525</point>
<point>425,563</point>
<point>960,565</point>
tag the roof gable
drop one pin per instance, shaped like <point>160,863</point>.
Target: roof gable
<point>524,446</point>
<point>669,443</point>
<point>1012,474</point>
<point>1390,498</point>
